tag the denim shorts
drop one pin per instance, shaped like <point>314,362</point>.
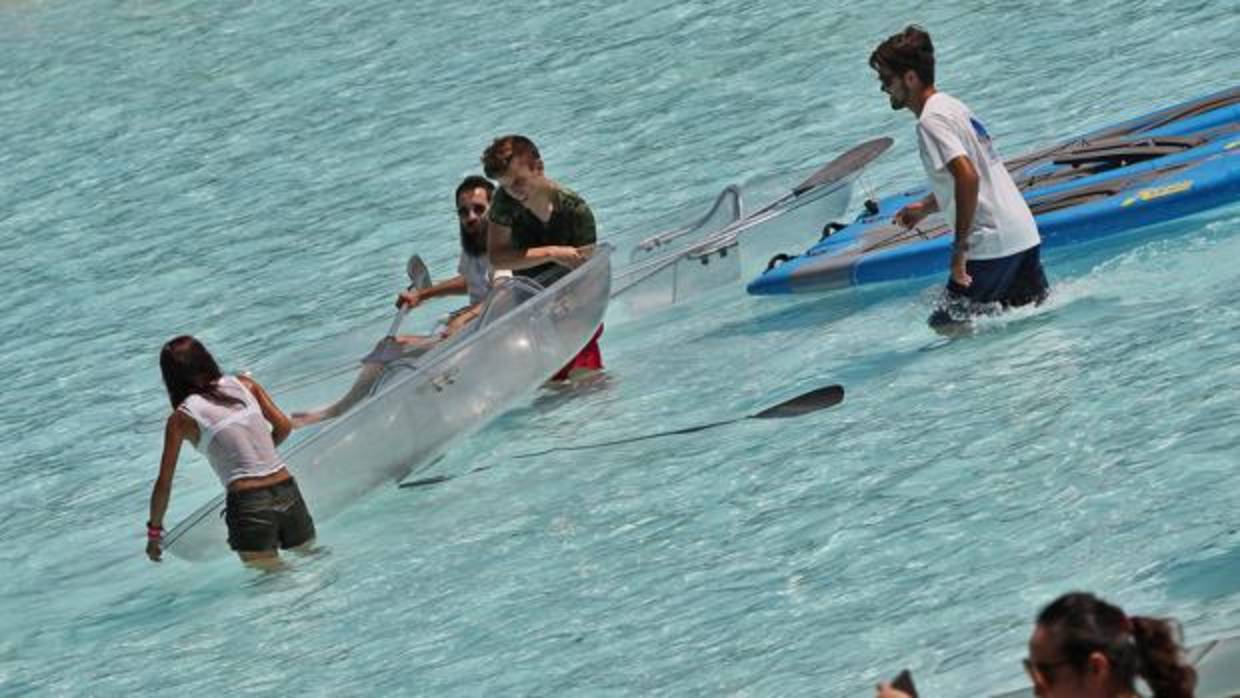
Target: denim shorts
<point>268,517</point>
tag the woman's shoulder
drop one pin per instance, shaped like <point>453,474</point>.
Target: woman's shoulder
<point>181,420</point>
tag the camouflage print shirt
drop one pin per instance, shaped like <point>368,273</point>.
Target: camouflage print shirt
<point>572,223</point>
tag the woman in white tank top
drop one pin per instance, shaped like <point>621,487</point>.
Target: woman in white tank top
<point>236,425</point>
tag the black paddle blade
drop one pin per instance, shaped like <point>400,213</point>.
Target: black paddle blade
<point>845,165</point>
<point>804,404</point>
<point>434,480</point>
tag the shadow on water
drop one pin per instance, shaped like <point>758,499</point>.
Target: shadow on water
<point>1209,578</point>
<point>554,396</point>
<point>812,311</point>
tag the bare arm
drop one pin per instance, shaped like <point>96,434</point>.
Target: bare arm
<point>175,432</point>
<point>280,423</point>
<point>965,176</point>
<point>504,256</point>
<point>914,213</point>
<point>452,287</point>
<point>966,182</point>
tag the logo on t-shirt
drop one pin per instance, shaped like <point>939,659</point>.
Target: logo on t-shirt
<point>983,137</point>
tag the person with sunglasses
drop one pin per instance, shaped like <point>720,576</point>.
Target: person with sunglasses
<point>474,277</point>
<point>995,261</point>
<point>474,272</point>
<point>1084,647</point>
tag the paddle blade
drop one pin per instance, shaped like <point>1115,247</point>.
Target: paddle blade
<point>805,403</point>
<point>419,275</point>
<point>847,164</point>
<point>388,350</point>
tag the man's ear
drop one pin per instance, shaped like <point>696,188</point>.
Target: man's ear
<point>537,166</point>
<point>911,81</point>
<point>1098,669</point>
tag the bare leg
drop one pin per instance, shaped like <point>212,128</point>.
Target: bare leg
<point>417,341</point>
<point>267,560</point>
<point>306,548</point>
<point>461,319</point>
<point>361,388</point>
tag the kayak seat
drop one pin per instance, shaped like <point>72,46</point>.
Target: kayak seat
<point>1093,192</point>
<point>1121,152</point>
<point>1095,156</point>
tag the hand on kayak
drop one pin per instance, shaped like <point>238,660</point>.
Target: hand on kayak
<point>885,690</point>
<point>571,257</point>
<point>911,214</point>
<point>959,273</point>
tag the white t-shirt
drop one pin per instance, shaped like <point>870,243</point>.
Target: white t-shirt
<point>1003,224</point>
<point>478,274</point>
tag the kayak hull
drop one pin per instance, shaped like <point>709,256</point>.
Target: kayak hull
<point>420,407</point>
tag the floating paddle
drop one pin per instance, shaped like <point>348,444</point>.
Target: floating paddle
<point>388,348</point>
<point>814,400</point>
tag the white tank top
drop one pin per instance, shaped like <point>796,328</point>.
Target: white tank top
<point>236,439</point>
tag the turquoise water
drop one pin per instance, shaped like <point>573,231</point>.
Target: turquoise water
<point>256,174</point>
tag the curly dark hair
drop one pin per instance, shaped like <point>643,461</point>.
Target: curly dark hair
<point>473,182</point>
<point>498,156</point>
<point>910,49</point>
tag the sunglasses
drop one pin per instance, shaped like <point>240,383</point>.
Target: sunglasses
<point>1044,669</point>
<point>476,209</point>
<point>885,78</point>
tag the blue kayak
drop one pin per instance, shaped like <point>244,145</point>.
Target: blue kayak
<point>1164,165</point>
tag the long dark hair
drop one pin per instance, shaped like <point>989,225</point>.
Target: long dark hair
<point>1082,624</point>
<point>189,369</point>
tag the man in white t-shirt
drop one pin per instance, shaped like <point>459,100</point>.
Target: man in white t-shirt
<point>995,256</point>
<point>474,273</point>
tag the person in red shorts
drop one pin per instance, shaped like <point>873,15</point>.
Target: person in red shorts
<point>538,228</point>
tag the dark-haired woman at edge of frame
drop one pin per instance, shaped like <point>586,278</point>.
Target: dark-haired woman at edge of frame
<point>237,426</point>
<point>1084,647</point>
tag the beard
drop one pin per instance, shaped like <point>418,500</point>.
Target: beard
<point>474,243</point>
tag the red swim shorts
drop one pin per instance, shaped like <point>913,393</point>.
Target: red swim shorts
<point>589,358</point>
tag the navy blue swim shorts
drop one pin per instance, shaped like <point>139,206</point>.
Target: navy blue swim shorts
<point>998,284</point>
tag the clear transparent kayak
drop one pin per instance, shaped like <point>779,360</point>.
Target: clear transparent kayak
<point>418,407</point>
<point>736,236</point>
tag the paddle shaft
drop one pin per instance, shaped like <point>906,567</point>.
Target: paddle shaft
<point>812,401</point>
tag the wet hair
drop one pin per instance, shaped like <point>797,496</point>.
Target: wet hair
<point>473,182</point>
<point>499,155</point>
<point>1081,624</point>
<point>911,49</point>
<point>189,369</point>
